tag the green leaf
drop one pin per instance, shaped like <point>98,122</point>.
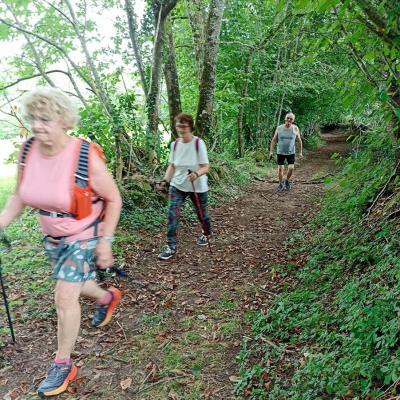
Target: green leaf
<point>280,5</point>
<point>325,5</point>
<point>370,56</point>
<point>4,32</point>
<point>382,96</point>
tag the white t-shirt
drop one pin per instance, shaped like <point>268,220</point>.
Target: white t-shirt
<point>186,157</point>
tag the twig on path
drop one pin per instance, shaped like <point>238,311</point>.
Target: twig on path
<point>146,378</point>
<point>269,342</point>
<point>394,384</point>
<point>121,360</point>
<point>392,214</point>
<point>123,331</point>
<point>165,380</point>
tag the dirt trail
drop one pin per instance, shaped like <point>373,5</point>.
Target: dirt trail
<point>178,338</point>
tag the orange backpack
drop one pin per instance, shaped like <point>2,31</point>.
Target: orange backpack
<point>81,193</point>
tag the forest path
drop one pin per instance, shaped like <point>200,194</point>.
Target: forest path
<point>178,337</point>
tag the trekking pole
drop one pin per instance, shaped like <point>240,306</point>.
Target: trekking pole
<point>199,209</point>
<point>4,240</point>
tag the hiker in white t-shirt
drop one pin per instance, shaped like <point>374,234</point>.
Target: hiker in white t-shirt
<point>188,153</point>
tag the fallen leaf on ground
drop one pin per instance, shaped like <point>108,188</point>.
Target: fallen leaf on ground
<point>126,383</point>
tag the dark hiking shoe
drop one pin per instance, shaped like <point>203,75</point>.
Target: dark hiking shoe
<point>167,253</point>
<point>288,185</point>
<point>202,240</point>
<point>57,380</point>
<point>280,187</point>
<point>103,312</point>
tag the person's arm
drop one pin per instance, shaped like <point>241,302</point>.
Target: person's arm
<point>14,206</point>
<point>204,165</point>
<point>300,142</point>
<point>12,210</point>
<point>169,173</point>
<point>273,143</point>
<point>203,170</point>
<point>105,187</point>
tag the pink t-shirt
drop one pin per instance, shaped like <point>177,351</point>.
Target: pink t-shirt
<point>47,184</point>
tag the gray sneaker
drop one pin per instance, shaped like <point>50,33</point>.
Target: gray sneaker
<point>280,187</point>
<point>167,253</point>
<point>202,240</point>
<point>288,185</point>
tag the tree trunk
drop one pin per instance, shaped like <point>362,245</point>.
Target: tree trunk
<point>132,34</point>
<point>243,95</point>
<point>160,10</point>
<point>198,20</point>
<point>171,79</point>
<point>208,76</point>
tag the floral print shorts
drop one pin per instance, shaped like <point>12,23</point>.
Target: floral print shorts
<point>72,262</point>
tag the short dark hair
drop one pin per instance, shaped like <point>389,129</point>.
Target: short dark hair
<point>185,119</point>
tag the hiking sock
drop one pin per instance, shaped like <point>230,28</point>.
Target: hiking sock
<point>65,361</point>
<point>106,299</point>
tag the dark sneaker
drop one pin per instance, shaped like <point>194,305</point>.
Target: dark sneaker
<point>167,253</point>
<point>103,312</point>
<point>280,187</point>
<point>288,185</point>
<point>202,240</point>
<point>57,380</point>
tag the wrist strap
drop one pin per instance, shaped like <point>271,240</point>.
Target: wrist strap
<point>109,239</point>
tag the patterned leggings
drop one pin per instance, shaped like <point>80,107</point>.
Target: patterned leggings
<point>176,200</point>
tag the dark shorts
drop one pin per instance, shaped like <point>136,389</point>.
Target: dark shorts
<point>72,262</point>
<point>290,158</point>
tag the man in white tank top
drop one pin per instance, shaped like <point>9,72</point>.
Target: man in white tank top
<point>286,135</point>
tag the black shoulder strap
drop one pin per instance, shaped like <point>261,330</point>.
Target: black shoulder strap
<point>82,167</point>
<point>25,151</point>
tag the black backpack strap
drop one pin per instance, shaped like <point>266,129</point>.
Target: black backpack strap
<point>82,167</point>
<point>25,152</point>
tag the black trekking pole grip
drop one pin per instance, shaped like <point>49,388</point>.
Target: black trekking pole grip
<point>199,209</point>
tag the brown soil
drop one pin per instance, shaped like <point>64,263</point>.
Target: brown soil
<point>178,337</point>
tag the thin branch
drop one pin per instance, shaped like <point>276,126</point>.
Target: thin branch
<point>134,42</point>
<point>59,11</point>
<point>15,98</point>
<point>37,59</point>
<point>53,44</point>
<point>10,123</point>
<point>96,82</point>
<point>13,113</point>
<point>30,77</point>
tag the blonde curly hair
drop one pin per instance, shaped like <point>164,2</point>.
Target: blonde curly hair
<point>51,103</point>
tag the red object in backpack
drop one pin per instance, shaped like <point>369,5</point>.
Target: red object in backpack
<point>81,193</point>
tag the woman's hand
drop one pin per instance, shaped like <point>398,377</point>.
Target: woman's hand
<point>193,176</point>
<point>104,256</point>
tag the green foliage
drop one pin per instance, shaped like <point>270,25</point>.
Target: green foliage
<point>342,315</point>
<point>95,125</point>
